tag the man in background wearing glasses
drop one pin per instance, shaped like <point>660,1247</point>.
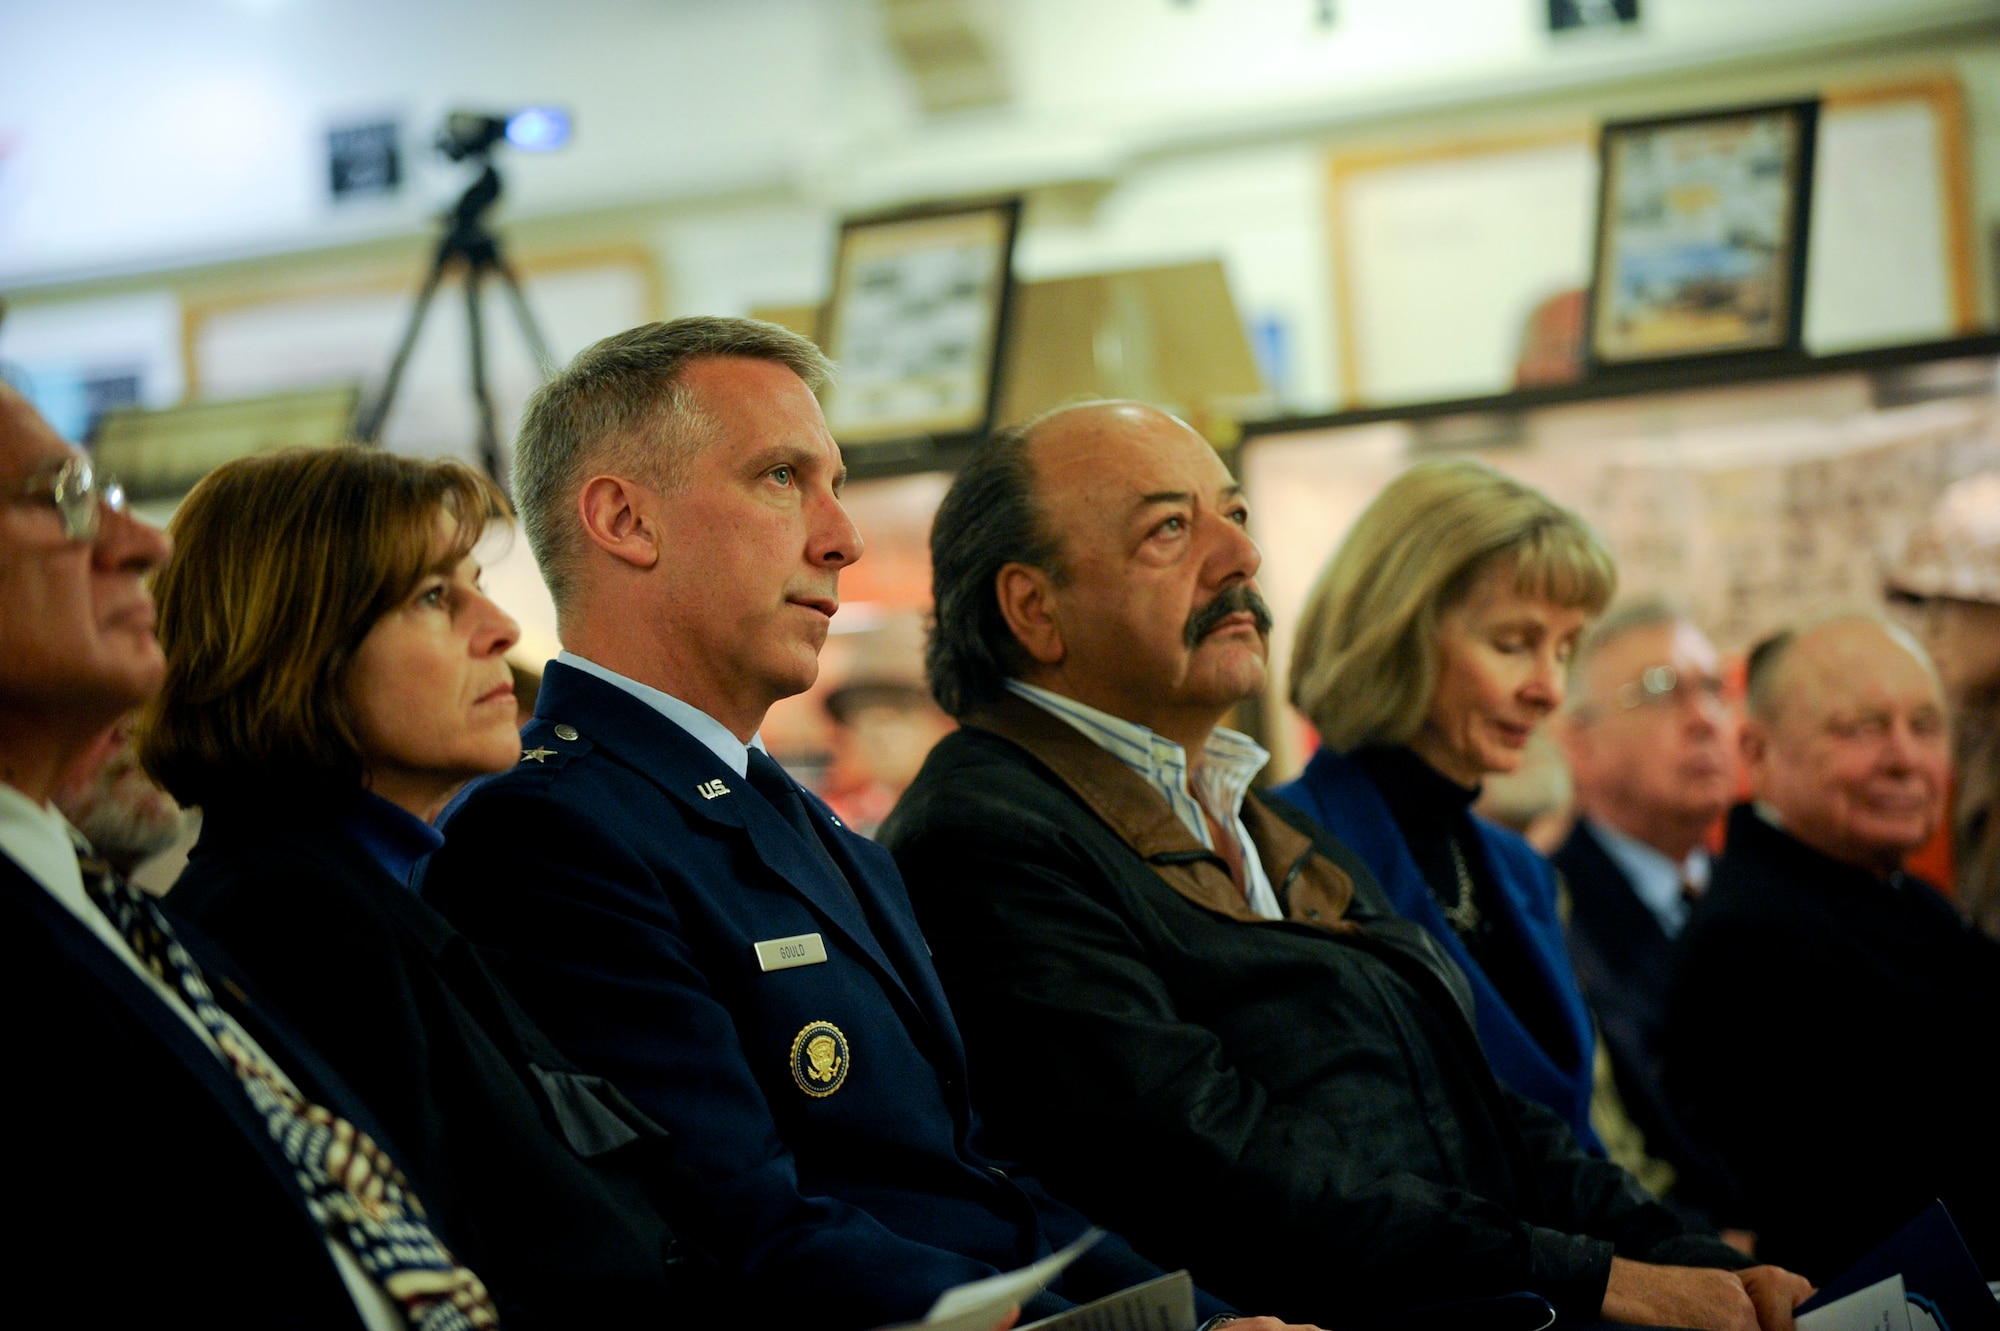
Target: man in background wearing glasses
<point>1651,746</point>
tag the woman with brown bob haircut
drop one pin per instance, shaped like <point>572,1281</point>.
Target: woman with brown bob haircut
<point>1435,642</point>
<point>334,674</point>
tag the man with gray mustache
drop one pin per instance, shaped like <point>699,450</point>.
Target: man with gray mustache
<point>1193,1009</point>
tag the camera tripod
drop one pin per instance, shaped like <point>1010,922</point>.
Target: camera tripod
<point>468,242</point>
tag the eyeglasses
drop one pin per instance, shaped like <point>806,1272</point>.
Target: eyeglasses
<point>1659,686</point>
<point>79,495</point>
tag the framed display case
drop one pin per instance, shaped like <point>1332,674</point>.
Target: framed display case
<point>916,322</point>
<point>1701,234</point>
<point>160,454</point>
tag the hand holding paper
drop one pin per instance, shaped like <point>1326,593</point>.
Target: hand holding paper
<point>1775,1292</point>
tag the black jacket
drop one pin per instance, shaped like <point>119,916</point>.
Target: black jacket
<point>538,1170</point>
<point>1298,1110</point>
<point>149,1190</point>
<point>1625,963</point>
<point>1818,1038</point>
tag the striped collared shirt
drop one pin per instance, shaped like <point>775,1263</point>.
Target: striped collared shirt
<point>1218,783</point>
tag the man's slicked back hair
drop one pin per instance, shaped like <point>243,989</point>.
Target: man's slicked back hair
<point>990,518</point>
<point>620,407</point>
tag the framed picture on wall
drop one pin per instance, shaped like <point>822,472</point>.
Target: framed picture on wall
<point>917,321</point>
<point>1701,234</point>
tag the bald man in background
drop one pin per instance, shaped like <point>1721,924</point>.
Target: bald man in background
<point>1815,1037</point>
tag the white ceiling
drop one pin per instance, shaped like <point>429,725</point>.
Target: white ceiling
<point>139,134</point>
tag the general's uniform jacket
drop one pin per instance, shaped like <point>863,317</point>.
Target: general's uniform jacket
<point>623,878</point>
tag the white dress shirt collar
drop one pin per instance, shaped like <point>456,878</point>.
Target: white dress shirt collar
<point>1656,878</point>
<point>37,837</point>
<point>1229,761</point>
<point>734,753</point>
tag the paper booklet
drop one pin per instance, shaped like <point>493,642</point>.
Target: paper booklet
<point>1162,1304</point>
<point>1922,1279</point>
<point>981,1305</point>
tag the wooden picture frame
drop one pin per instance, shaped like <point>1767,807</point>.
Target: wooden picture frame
<point>1440,249</point>
<point>1701,235</point>
<point>161,454</point>
<point>1892,257</point>
<point>917,323</point>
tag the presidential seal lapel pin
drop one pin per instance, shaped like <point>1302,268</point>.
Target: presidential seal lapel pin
<point>708,790</point>
<point>820,1059</point>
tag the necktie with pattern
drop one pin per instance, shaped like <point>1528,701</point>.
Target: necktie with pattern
<point>351,1186</point>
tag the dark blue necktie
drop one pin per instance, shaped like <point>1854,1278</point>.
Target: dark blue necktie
<point>775,784</point>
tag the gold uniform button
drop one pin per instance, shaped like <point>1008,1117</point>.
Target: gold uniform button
<point>565,732</point>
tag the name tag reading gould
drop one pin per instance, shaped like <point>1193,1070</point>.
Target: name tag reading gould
<point>781,954</point>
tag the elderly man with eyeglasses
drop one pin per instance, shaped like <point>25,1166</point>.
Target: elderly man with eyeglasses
<point>185,1158</point>
<point>1651,746</point>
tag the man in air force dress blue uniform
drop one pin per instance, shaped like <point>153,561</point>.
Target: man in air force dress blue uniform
<point>671,907</point>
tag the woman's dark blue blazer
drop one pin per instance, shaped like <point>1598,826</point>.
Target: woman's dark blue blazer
<point>1337,792</point>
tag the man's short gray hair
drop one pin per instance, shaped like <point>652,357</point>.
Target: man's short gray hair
<point>620,407</point>
<point>1641,612</point>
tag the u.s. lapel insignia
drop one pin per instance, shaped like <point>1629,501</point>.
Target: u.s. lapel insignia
<point>708,790</point>
<point>537,755</point>
<point>820,1059</point>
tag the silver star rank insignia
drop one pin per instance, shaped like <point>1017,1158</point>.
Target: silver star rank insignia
<point>537,755</point>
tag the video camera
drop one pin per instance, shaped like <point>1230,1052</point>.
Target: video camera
<point>473,134</point>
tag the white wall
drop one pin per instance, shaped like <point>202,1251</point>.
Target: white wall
<point>137,133</point>
<point>728,136</point>
<point>146,132</point>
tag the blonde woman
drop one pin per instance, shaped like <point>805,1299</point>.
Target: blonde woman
<point>1433,646</point>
